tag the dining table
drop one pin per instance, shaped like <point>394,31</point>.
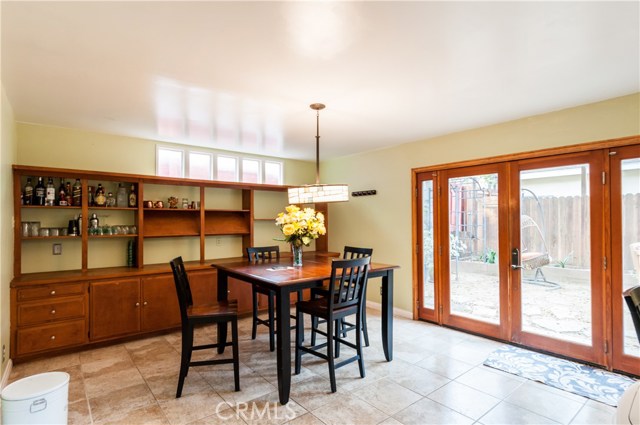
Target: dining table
<point>279,276</point>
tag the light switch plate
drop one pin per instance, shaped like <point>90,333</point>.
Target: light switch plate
<point>57,249</point>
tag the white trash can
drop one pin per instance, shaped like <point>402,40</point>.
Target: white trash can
<point>37,399</point>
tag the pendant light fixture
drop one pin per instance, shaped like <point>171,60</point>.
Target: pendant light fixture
<point>310,194</point>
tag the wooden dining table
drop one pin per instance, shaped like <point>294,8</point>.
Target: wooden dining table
<point>279,276</point>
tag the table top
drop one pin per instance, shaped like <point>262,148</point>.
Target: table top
<point>315,267</point>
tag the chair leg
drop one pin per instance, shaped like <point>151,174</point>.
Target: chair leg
<point>332,369</point>
<point>185,356</point>
<point>364,326</point>
<point>272,327</point>
<point>314,326</point>
<point>236,354</point>
<point>300,298</point>
<point>254,328</point>
<point>359,346</point>
<point>299,331</point>
<point>339,327</point>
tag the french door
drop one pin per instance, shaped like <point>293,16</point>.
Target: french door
<point>535,251</point>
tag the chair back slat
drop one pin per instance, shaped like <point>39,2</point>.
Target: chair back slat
<point>351,252</point>
<point>183,289</point>
<point>262,253</point>
<point>632,297</point>
<point>349,279</point>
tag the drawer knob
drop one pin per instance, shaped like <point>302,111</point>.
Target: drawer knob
<point>145,303</point>
<point>53,292</point>
<point>137,304</point>
<point>53,337</point>
<point>53,312</point>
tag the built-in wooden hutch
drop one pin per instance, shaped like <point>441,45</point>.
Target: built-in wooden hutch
<point>90,294</point>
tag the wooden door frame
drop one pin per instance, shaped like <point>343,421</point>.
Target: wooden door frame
<point>619,360</point>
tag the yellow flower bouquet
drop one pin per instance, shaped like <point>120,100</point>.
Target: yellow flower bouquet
<point>300,227</point>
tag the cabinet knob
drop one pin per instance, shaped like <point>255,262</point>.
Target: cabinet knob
<point>53,312</point>
<point>53,292</point>
<point>137,304</point>
<point>144,303</point>
<point>53,337</point>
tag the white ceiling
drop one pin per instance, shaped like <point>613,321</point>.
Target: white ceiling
<point>241,75</point>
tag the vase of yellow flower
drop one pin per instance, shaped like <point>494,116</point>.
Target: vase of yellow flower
<point>300,227</point>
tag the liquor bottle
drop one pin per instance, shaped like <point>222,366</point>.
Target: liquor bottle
<point>79,224</point>
<point>91,200</point>
<point>77,193</point>
<point>99,198</point>
<point>39,192</point>
<point>50,193</point>
<point>27,196</point>
<point>94,222</point>
<point>111,200</point>
<point>121,196</point>
<point>68,190</point>
<point>62,194</point>
<point>133,198</point>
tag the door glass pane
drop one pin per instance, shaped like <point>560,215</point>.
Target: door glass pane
<point>473,247</point>
<point>555,252</point>
<point>427,245</point>
<point>630,179</point>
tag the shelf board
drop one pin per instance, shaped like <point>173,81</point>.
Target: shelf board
<point>52,207</point>
<point>40,238</point>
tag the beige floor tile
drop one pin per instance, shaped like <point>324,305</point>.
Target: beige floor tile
<point>193,407</point>
<point>112,406</point>
<point>465,400</point>
<point>149,415</point>
<point>99,384</point>
<point>306,419</point>
<point>105,366</point>
<point>349,410</point>
<point>415,378</point>
<point>49,364</point>
<point>507,413</point>
<point>387,396</point>
<point>313,392</point>
<point>224,416</point>
<point>164,387</point>
<point>545,403</point>
<point>593,415</point>
<point>445,366</point>
<point>78,413</point>
<point>110,352</point>
<point>252,385</point>
<point>267,410</point>
<point>390,421</point>
<point>428,411</point>
<point>483,378</point>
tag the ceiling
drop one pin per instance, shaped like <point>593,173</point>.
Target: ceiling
<point>241,75</point>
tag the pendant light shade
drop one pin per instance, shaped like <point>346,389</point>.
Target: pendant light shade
<point>310,194</point>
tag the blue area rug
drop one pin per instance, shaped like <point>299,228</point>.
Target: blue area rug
<point>587,381</point>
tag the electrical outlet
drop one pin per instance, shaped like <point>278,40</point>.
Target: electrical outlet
<point>218,241</point>
<point>57,249</point>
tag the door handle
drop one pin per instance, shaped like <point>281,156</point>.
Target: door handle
<point>515,259</point>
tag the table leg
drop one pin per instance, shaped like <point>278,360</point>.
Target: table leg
<point>283,343</point>
<point>387,315</point>
<point>223,279</point>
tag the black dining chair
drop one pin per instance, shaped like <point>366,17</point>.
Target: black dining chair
<point>191,316</point>
<point>632,297</point>
<point>345,298</point>
<point>256,254</point>
<point>350,252</point>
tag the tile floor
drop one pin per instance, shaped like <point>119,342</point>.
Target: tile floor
<point>436,377</point>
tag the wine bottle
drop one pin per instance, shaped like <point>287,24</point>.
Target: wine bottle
<point>62,194</point>
<point>99,197</point>
<point>39,192</point>
<point>50,193</point>
<point>121,196</point>
<point>77,193</point>
<point>27,196</point>
<point>133,198</point>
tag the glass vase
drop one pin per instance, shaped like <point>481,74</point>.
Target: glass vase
<point>296,253</point>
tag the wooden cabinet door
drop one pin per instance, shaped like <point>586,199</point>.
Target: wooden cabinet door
<point>240,291</point>
<point>114,308</point>
<point>204,286</point>
<point>160,308</point>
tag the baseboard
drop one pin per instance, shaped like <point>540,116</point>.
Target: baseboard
<point>5,374</point>
<point>396,311</point>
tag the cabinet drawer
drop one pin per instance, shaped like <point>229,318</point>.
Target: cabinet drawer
<point>49,291</point>
<point>51,310</point>
<point>48,337</point>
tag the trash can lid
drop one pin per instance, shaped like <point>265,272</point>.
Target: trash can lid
<point>35,386</point>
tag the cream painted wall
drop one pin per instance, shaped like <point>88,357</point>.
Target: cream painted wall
<point>383,222</point>
<point>7,157</point>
